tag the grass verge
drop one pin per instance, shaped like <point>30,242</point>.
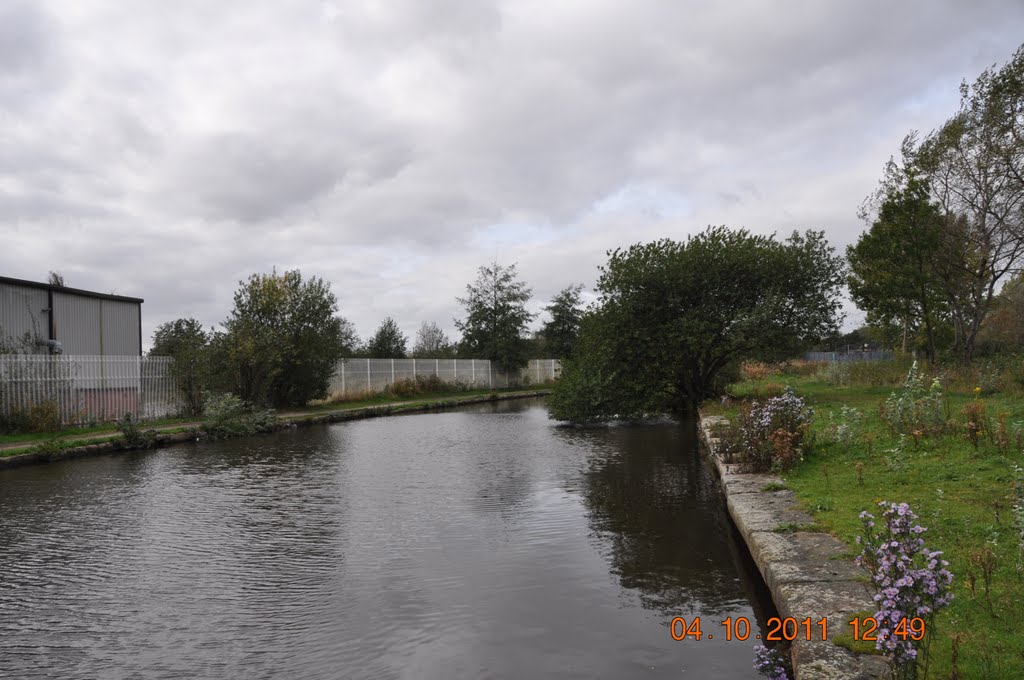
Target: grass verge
<point>966,484</point>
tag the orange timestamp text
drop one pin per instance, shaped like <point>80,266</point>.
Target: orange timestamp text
<point>790,628</point>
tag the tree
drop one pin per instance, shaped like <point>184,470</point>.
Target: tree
<point>283,339</point>
<point>388,342</point>
<point>561,331</point>
<point>432,343</point>
<point>974,165</point>
<point>496,320</point>
<point>894,275</point>
<point>188,344</point>
<point>56,279</point>
<point>1003,330</point>
<point>672,316</point>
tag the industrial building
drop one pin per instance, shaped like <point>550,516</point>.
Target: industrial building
<point>40,318</point>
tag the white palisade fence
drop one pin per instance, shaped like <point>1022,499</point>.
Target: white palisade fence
<point>89,388</point>
<point>353,377</point>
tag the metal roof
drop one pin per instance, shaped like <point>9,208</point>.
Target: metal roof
<point>65,289</point>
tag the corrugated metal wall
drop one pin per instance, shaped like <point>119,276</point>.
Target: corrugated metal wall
<point>21,311</point>
<point>95,326</point>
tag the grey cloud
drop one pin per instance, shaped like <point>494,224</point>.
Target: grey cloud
<point>171,151</point>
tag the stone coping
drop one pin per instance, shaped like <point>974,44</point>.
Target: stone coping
<point>807,573</point>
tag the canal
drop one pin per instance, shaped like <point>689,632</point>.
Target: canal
<point>483,542</point>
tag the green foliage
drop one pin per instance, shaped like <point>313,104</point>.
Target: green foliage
<point>496,320</point>
<point>562,330</point>
<point>845,426</point>
<point>834,373</point>
<point>283,339</point>
<point>895,267</point>
<point>423,384</point>
<point>975,166</point>
<point>188,344</point>
<point>43,416</point>
<point>1003,329</point>
<point>228,416</point>
<point>915,409</point>
<point>388,342</point>
<point>965,496</point>
<point>51,447</point>
<point>674,315</point>
<point>134,436</point>
<point>771,435</point>
<point>432,343</point>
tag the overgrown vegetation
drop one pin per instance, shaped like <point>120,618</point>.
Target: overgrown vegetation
<point>954,455</point>
<point>134,436</point>
<point>675,319</point>
<point>229,416</point>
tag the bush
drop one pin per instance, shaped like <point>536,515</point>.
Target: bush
<point>424,384</point>
<point>41,417</point>
<point>773,435</point>
<point>835,373</point>
<point>228,416</point>
<point>134,436</point>
<point>913,409</point>
<point>757,370</point>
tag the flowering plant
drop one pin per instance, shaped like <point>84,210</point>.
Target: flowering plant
<point>768,662</point>
<point>773,434</point>
<point>912,583</point>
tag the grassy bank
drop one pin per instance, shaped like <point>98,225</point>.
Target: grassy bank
<point>960,475</point>
<point>17,444</point>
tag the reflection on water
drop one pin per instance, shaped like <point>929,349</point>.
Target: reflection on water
<point>480,543</point>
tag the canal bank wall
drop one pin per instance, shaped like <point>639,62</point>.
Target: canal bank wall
<point>808,574</point>
<point>284,421</point>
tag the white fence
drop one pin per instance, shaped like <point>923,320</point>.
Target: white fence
<point>89,388</point>
<point>361,376</point>
<point>856,355</point>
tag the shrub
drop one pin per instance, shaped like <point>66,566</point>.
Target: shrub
<point>134,436</point>
<point>772,435</point>
<point>845,426</point>
<point>834,373</point>
<point>757,370</point>
<point>911,581</point>
<point>229,416</point>
<point>915,409</point>
<point>976,421</point>
<point>43,416</point>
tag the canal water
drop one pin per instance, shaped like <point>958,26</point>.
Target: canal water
<point>485,542</point>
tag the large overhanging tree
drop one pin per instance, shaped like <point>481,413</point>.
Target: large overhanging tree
<point>672,315</point>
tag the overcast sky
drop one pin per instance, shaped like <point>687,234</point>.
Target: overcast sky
<point>166,150</point>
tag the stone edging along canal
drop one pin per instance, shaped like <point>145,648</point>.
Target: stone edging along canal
<point>284,422</point>
<point>806,573</point>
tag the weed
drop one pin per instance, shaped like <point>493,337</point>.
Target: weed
<point>134,436</point>
<point>229,416</point>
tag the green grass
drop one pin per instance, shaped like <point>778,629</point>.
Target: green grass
<point>963,495</point>
<point>38,441</point>
<point>101,428</point>
<point>385,398</point>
